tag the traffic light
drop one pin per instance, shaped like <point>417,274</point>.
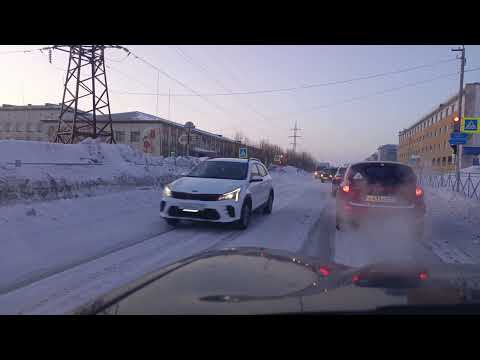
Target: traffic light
<point>456,123</point>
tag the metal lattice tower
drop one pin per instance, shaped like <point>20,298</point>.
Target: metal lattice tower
<point>295,136</point>
<point>85,85</point>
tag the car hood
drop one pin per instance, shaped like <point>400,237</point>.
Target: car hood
<point>205,185</point>
<point>260,281</point>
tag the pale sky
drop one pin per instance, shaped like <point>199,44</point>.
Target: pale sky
<point>338,133</point>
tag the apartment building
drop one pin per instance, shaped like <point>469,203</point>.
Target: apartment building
<point>425,143</point>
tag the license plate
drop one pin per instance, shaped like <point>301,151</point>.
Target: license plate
<point>192,207</point>
<point>379,198</point>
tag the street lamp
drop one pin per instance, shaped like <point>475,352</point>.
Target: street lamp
<point>189,126</point>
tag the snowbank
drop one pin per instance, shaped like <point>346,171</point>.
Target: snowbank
<point>36,170</point>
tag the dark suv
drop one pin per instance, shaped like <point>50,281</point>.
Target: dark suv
<point>375,190</point>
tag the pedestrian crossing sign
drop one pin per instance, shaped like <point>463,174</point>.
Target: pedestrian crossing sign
<point>242,153</point>
<point>470,126</point>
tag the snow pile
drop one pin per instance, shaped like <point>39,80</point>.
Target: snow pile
<point>36,170</point>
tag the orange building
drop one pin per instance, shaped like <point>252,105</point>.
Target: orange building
<point>425,143</point>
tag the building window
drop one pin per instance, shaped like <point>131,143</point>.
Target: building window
<point>135,136</point>
<point>51,131</point>
<point>18,127</point>
<point>7,127</point>
<point>120,136</point>
<point>449,159</point>
<point>39,127</point>
<point>28,128</point>
<point>433,162</point>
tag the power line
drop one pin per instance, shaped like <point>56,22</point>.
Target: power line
<point>208,74</point>
<point>127,76</point>
<point>315,85</point>
<point>25,51</point>
<point>164,73</point>
<point>381,92</point>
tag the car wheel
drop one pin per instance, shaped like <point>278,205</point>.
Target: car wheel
<point>269,205</point>
<point>172,222</point>
<point>246,214</point>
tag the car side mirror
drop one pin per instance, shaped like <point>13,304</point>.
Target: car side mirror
<point>256,179</point>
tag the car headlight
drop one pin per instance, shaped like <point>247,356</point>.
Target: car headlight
<point>167,192</point>
<point>232,195</point>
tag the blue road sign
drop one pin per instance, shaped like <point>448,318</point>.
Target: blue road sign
<point>458,135</point>
<point>457,141</point>
<point>470,125</point>
<point>471,150</point>
<point>242,153</point>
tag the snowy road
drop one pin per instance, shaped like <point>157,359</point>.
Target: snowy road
<point>65,253</point>
<point>93,245</point>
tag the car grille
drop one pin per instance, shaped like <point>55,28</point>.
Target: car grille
<point>207,214</point>
<point>200,197</point>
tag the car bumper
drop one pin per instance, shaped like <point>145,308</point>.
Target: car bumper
<point>224,211</point>
<point>356,212</point>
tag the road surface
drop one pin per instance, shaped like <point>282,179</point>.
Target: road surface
<point>75,251</point>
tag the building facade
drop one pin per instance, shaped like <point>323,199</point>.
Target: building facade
<point>387,152</point>
<point>144,132</point>
<point>425,143</point>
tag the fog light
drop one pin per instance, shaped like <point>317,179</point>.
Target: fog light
<point>231,211</point>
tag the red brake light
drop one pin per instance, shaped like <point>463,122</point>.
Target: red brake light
<point>355,278</point>
<point>324,271</point>
<point>345,188</point>
<point>418,191</point>
<point>423,276</point>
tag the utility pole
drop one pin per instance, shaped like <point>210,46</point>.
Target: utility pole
<point>458,163</point>
<point>158,81</point>
<point>295,136</point>
<point>169,104</point>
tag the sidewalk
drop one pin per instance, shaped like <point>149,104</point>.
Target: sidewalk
<point>453,226</point>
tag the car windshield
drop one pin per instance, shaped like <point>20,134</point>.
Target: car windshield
<point>239,176</point>
<point>220,170</point>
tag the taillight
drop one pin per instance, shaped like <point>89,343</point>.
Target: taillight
<point>418,191</point>
<point>355,278</point>
<point>423,276</point>
<point>345,188</point>
<point>324,271</point>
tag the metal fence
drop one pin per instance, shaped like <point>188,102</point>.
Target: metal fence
<point>469,183</point>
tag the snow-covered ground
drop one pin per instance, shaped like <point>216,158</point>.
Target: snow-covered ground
<point>35,170</point>
<point>452,235</point>
<point>65,252</point>
<point>56,255</point>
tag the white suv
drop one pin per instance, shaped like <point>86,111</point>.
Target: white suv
<point>222,190</point>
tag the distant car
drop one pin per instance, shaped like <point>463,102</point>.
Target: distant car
<point>225,190</point>
<point>337,179</point>
<point>376,190</point>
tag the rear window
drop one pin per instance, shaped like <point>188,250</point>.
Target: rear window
<point>385,174</point>
<point>341,171</point>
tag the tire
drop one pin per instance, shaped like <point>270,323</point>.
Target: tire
<point>246,214</point>
<point>172,222</point>
<point>268,207</point>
